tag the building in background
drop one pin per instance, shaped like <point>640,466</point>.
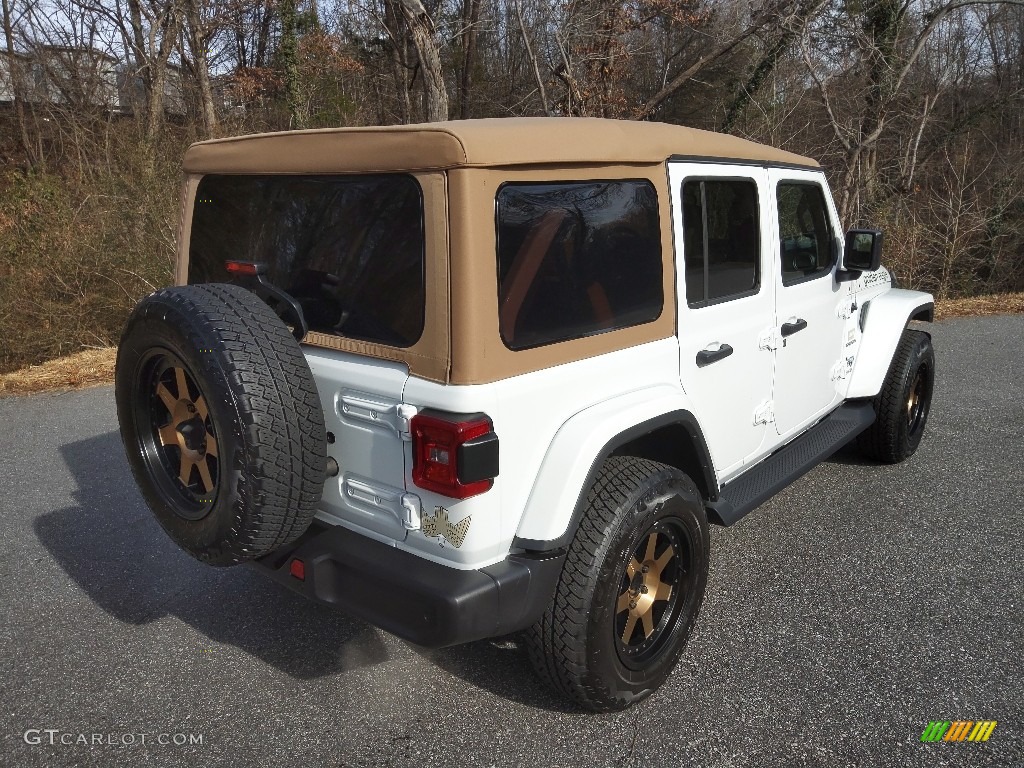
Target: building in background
<point>83,78</point>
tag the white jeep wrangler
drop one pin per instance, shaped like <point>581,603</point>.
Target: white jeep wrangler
<point>472,378</point>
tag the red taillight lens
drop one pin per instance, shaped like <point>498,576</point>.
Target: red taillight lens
<point>457,458</point>
<point>241,267</point>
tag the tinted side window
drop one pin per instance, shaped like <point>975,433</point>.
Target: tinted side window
<point>805,236</point>
<point>576,259</point>
<point>350,249</point>
<point>721,239</point>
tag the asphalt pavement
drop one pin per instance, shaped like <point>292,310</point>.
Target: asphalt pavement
<point>841,617</point>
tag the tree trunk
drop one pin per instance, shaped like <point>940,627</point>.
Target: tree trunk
<point>263,41</point>
<point>198,40</point>
<point>206,95</point>
<point>17,85</point>
<point>422,31</point>
<point>762,71</point>
<point>394,29</point>
<point>290,64</point>
<point>157,65</point>
<point>141,55</point>
<point>155,103</point>
<point>881,25</point>
<point>533,59</point>
<point>470,18</point>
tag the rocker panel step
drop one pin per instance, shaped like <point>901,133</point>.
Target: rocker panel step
<point>758,484</point>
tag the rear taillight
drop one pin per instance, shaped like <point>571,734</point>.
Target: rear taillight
<point>243,267</point>
<point>454,455</point>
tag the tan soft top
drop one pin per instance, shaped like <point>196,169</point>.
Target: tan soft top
<point>473,143</point>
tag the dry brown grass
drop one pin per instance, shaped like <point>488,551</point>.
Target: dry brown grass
<point>96,366</point>
<point>993,304</point>
<point>82,369</point>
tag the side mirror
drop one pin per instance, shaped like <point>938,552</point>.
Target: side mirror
<point>863,251</point>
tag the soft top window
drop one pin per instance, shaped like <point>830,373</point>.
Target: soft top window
<point>350,249</point>
<point>576,259</point>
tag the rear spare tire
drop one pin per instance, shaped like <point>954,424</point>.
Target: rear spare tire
<point>221,421</point>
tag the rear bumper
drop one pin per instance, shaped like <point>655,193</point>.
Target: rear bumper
<point>418,600</point>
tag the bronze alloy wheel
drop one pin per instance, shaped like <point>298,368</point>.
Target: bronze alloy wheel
<point>180,444</point>
<point>917,402</point>
<point>653,588</point>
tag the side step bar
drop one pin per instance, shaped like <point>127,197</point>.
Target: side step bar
<point>758,484</point>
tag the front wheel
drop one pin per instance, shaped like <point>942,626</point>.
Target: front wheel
<point>630,590</point>
<point>903,405</point>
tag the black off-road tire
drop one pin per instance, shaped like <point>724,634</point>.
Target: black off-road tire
<point>903,404</point>
<point>221,421</point>
<point>578,645</point>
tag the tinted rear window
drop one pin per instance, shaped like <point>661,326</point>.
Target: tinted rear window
<point>350,249</point>
<point>576,259</point>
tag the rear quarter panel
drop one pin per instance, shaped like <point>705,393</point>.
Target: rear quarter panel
<point>542,463</point>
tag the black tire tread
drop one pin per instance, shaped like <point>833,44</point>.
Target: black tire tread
<point>556,645</point>
<point>881,441</point>
<point>277,405</point>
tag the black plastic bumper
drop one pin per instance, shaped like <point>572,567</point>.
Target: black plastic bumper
<point>418,600</point>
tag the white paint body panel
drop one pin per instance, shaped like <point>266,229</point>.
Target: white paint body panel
<point>804,388</point>
<point>887,315</point>
<point>574,448</point>
<point>360,396</point>
<point>726,393</point>
<point>528,412</point>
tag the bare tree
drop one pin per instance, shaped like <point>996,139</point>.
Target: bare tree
<point>16,75</point>
<point>708,56</point>
<point>517,9</point>
<point>421,29</point>
<point>470,33</point>
<point>154,33</point>
<point>201,25</point>
<point>883,56</point>
<point>788,29</point>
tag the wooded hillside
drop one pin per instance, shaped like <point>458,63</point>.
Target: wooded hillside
<point>915,107</point>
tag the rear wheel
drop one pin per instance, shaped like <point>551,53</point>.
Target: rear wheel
<point>221,421</point>
<point>903,404</point>
<point>630,590</point>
